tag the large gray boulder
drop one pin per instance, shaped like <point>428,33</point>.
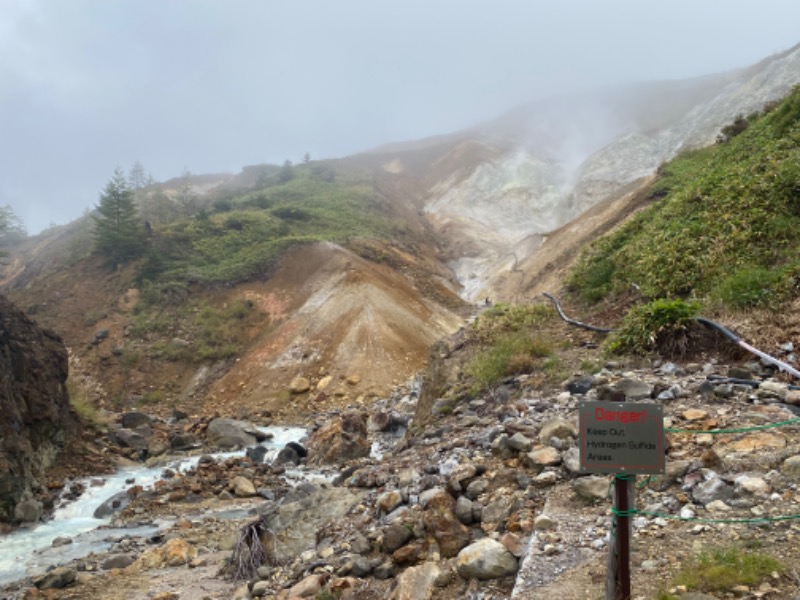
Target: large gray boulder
<point>114,504</point>
<point>58,578</point>
<point>486,559</point>
<point>791,468</point>
<point>558,428</point>
<point>128,438</point>
<point>302,514</point>
<point>134,419</point>
<point>229,433</point>
<point>712,489</point>
<point>593,487</point>
<point>633,389</point>
<point>28,511</point>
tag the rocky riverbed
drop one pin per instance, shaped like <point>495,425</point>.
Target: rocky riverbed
<point>485,501</point>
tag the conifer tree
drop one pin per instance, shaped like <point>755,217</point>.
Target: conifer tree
<point>186,198</point>
<point>12,230</point>
<point>118,232</point>
<point>137,178</point>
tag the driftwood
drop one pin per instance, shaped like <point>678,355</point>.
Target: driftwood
<point>249,553</point>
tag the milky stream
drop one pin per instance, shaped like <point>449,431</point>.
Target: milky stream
<point>27,551</point>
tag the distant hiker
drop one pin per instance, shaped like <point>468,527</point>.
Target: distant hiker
<point>488,302</point>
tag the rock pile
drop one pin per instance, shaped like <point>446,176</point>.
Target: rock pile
<point>493,492</point>
<point>487,499</point>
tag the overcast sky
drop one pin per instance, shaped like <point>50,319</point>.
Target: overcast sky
<point>213,85</point>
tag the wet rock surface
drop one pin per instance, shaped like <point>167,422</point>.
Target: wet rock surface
<point>36,415</point>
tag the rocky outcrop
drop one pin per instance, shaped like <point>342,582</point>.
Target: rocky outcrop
<point>35,406</point>
<point>341,440</point>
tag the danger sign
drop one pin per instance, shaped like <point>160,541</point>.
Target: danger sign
<point>621,437</point>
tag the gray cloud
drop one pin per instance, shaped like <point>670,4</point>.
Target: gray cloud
<point>212,85</point>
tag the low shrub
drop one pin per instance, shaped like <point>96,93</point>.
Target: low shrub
<point>81,404</point>
<point>661,325</point>
<point>508,342</point>
<point>94,316</point>
<point>750,287</point>
<point>505,318</point>
<point>512,353</point>
<point>722,569</point>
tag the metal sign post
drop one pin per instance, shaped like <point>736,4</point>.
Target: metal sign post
<point>618,576</point>
<point>623,439</point>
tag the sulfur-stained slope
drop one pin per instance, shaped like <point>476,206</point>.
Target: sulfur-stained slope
<point>351,327</point>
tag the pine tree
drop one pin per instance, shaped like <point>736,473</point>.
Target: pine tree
<point>118,232</point>
<point>137,178</point>
<point>186,198</point>
<point>12,230</point>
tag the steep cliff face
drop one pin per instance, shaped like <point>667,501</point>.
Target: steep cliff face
<point>36,416</point>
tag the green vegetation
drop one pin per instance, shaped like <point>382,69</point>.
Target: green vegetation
<point>591,366</point>
<point>724,226</point>
<point>130,358</point>
<point>193,244</point>
<point>721,570</point>
<point>152,397</point>
<point>239,238</point>
<point>94,316</point>
<point>758,287</point>
<point>118,233</point>
<point>12,230</point>
<point>81,244</point>
<point>207,333</point>
<point>658,325</point>
<point>506,318</point>
<point>81,404</point>
<point>508,344</point>
<point>326,594</point>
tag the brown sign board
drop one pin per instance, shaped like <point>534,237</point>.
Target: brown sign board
<point>621,437</point>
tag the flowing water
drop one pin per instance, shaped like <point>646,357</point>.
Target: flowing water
<point>29,551</point>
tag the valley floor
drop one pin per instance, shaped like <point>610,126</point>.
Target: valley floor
<point>501,466</point>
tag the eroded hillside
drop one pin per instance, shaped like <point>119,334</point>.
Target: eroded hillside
<point>544,164</point>
<point>351,329</point>
<point>298,287</point>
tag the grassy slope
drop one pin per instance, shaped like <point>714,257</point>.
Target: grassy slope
<point>724,228</point>
<point>180,306</point>
<point>240,237</point>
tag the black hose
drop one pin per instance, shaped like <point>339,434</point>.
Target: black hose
<point>735,380</point>
<point>714,325</point>
<point>742,344</point>
<point>707,322</point>
<point>572,321</point>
